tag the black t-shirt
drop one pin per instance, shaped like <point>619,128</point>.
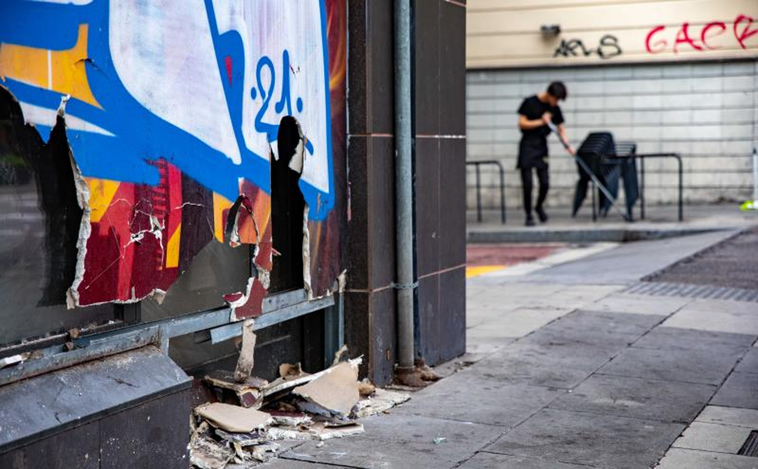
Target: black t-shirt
<point>532,152</point>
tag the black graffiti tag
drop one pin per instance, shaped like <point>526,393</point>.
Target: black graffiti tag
<point>608,47</point>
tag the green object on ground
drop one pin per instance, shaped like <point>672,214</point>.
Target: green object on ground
<point>749,205</point>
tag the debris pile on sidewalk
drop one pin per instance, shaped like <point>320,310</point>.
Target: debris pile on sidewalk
<point>243,427</point>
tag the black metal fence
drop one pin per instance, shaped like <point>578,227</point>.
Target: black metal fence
<point>477,165</point>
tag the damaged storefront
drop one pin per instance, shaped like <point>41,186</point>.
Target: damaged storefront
<point>169,172</point>
<point>184,228</point>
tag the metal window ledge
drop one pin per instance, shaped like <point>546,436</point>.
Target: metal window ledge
<point>276,309</point>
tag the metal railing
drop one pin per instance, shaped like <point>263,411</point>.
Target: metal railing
<point>476,165</point>
<point>680,171</point>
<point>642,179</point>
<point>640,156</point>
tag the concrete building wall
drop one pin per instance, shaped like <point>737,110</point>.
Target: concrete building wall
<point>508,33</point>
<point>704,110</point>
<point>674,76</point>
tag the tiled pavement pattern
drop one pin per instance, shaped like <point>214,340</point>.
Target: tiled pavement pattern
<point>575,376</point>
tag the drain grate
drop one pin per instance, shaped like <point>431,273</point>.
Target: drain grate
<point>750,448</point>
<point>687,290</point>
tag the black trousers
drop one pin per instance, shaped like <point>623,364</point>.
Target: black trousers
<point>526,186</point>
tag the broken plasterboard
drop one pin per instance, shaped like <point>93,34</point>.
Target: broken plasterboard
<point>206,453</point>
<point>290,419</point>
<point>245,361</point>
<point>243,439</point>
<point>248,392</point>
<point>381,401</point>
<point>335,391</point>
<point>233,418</point>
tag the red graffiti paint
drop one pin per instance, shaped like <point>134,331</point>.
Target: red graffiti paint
<point>704,36</point>
<point>228,63</point>
<point>683,37</point>
<point>687,37</point>
<point>746,32</point>
<point>660,45</point>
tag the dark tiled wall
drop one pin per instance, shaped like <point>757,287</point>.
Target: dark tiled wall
<point>439,126</point>
<point>440,152</point>
<point>369,300</point>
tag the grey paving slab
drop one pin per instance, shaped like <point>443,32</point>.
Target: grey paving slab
<point>733,416</point>
<point>595,330</point>
<point>469,396</point>
<point>485,345</point>
<point>590,439</point>
<point>517,323</point>
<point>639,304</point>
<point>401,441</point>
<point>723,306</point>
<point>588,293</point>
<point>715,319</point>
<point>629,262</point>
<point>739,390</point>
<point>638,398</point>
<point>290,464</point>
<point>677,458</point>
<point>563,365</point>
<point>676,338</point>
<point>691,366</point>
<point>713,437</point>
<point>483,460</point>
<point>604,322</point>
<point>749,363</point>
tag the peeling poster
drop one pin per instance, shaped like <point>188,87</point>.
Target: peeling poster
<point>172,112</point>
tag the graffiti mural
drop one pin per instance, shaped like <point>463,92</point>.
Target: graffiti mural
<point>172,113</point>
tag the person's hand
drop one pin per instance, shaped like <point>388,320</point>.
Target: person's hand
<point>547,118</point>
<point>571,150</point>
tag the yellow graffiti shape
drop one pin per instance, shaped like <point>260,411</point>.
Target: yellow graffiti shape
<point>220,203</point>
<point>101,192</point>
<point>61,71</point>
<point>172,248</point>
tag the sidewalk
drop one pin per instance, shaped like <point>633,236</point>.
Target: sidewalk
<point>660,222</point>
<point>568,369</point>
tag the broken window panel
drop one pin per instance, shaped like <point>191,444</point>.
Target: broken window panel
<point>39,226</point>
<point>215,271</point>
<point>287,208</point>
<point>167,208</point>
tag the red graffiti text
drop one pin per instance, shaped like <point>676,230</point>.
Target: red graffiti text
<point>688,38</point>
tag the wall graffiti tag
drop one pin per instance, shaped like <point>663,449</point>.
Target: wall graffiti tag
<point>607,47</point>
<point>708,37</point>
<point>172,113</point>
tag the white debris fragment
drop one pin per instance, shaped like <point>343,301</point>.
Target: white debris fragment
<point>336,392</point>
<point>381,401</point>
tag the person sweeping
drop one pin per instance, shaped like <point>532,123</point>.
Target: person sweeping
<point>537,114</point>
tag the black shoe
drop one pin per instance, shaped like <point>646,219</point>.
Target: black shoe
<point>529,221</point>
<point>541,214</point>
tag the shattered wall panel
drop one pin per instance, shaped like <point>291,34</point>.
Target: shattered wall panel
<point>171,111</point>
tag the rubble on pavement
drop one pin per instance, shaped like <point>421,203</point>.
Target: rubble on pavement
<point>252,418</point>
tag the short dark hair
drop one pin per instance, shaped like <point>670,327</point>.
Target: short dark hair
<point>558,89</point>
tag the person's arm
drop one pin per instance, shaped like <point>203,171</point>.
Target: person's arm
<point>564,137</point>
<point>526,124</point>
